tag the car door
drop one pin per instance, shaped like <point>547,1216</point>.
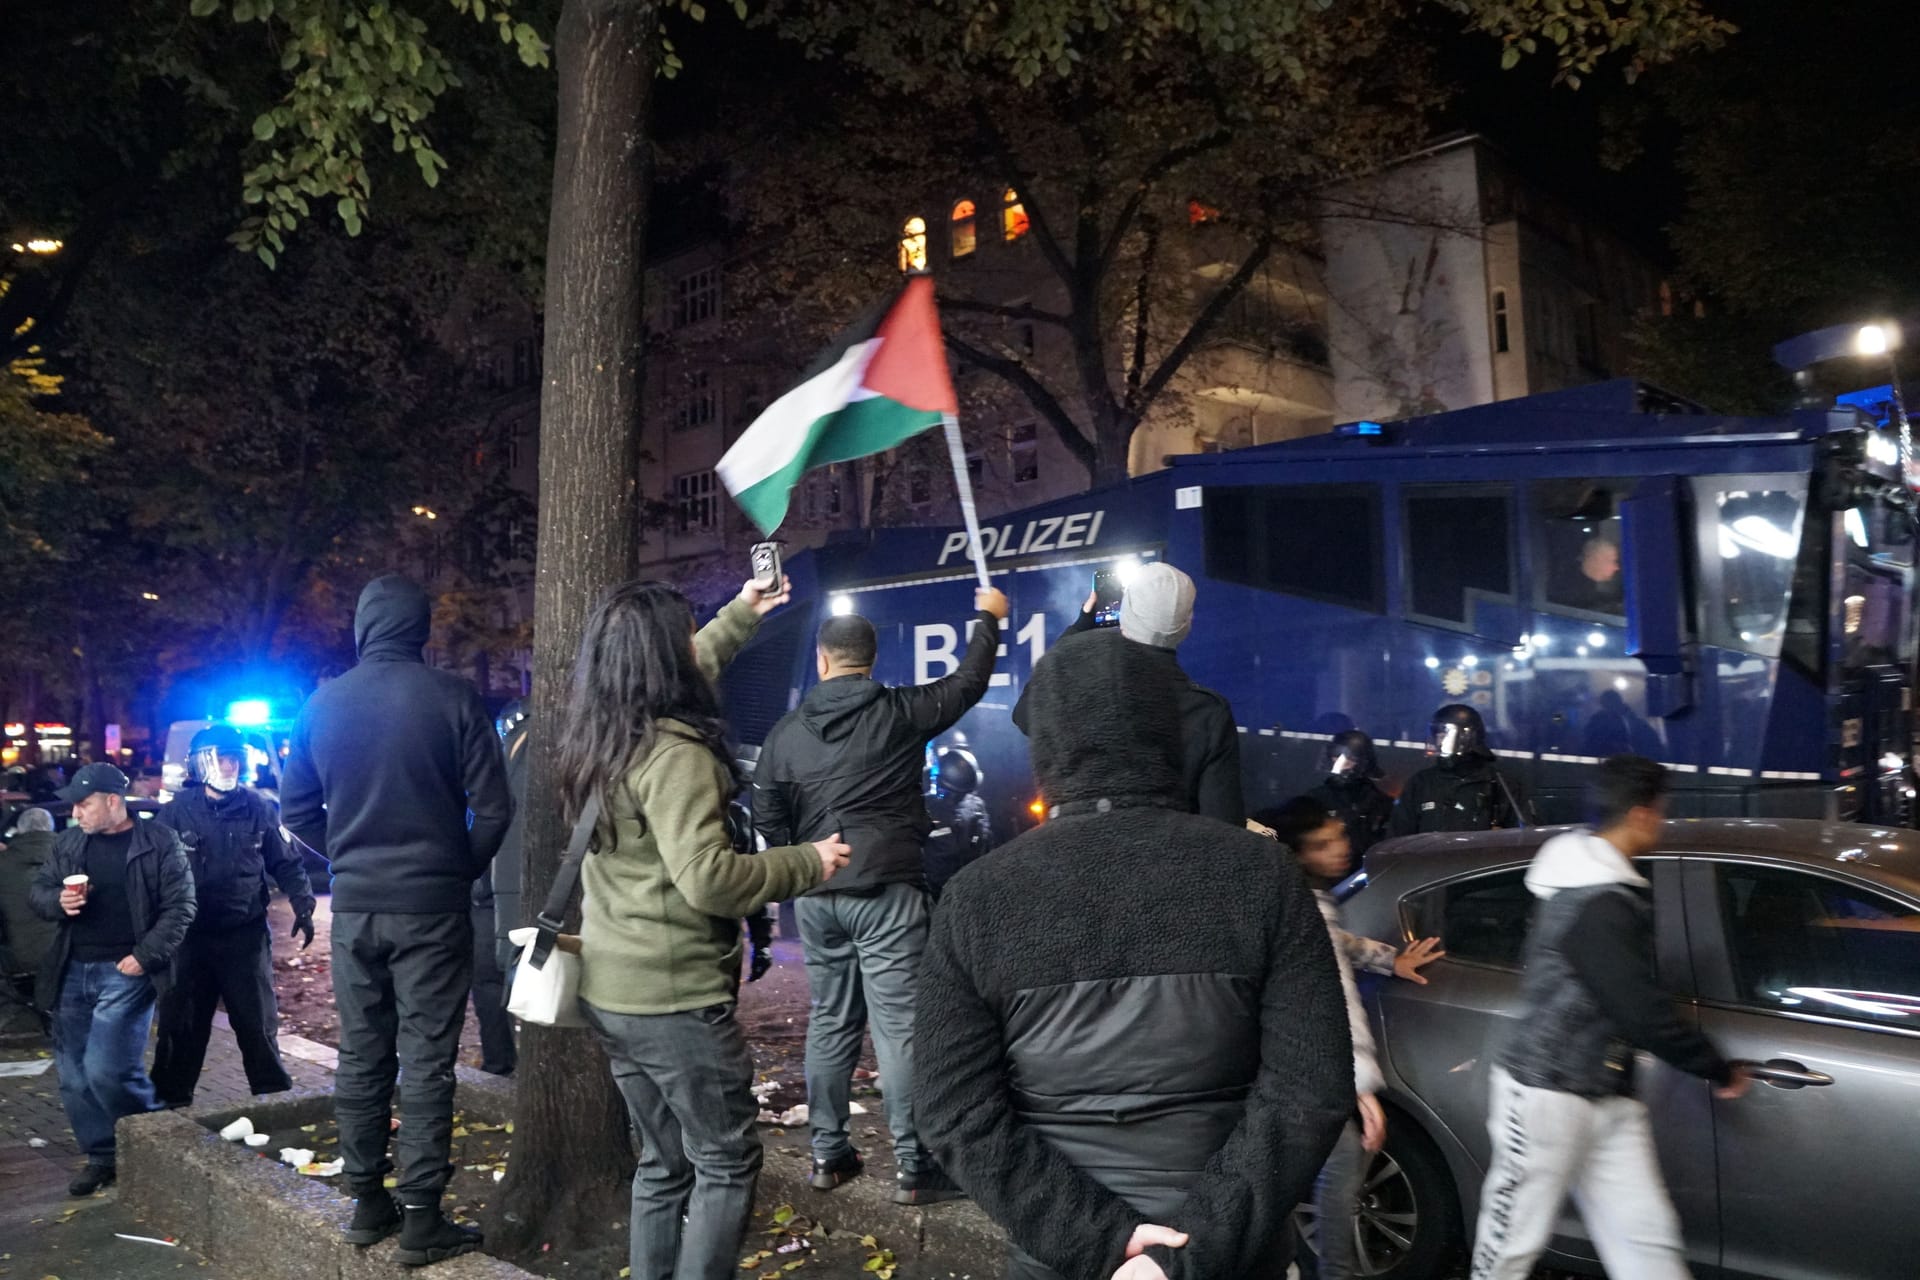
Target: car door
<point>1441,1038</point>
<point>1816,975</point>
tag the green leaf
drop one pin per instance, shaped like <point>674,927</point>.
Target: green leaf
<point>263,125</point>
<point>204,8</point>
<point>698,12</point>
<point>243,10</point>
<point>1510,57</point>
<point>783,1215</point>
<point>265,255</point>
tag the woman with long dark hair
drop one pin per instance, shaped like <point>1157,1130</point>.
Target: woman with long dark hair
<point>663,894</point>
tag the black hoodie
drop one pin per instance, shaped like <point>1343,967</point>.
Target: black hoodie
<point>1178,1055</point>
<point>387,761</point>
<point>849,759</point>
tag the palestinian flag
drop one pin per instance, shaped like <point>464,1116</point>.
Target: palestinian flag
<point>882,382</point>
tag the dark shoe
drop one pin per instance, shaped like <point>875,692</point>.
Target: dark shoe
<point>926,1185</point>
<point>375,1217</point>
<point>828,1174</point>
<point>427,1237</point>
<point>95,1177</point>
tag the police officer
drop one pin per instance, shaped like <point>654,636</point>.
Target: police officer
<point>496,907</point>
<point>1464,789</point>
<point>961,829</point>
<point>1350,791</point>
<point>234,844</point>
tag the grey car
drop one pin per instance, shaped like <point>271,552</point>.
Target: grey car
<point>1795,944</point>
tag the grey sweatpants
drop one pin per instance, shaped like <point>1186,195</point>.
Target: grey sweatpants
<point>863,960</point>
<point>1548,1145</point>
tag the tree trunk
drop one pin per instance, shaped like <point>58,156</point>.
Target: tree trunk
<point>566,1181</point>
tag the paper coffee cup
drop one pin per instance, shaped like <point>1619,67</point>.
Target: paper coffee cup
<point>238,1130</point>
<point>78,884</point>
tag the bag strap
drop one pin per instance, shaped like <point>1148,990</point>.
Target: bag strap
<point>554,913</point>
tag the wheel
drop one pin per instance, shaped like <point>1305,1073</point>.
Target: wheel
<point>1406,1223</point>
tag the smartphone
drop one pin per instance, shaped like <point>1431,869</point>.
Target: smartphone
<point>1106,598</point>
<point>766,565</point>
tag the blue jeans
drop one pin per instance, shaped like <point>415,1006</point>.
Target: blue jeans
<point>100,1026</point>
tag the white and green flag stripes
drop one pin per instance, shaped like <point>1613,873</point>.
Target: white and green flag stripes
<point>882,383</point>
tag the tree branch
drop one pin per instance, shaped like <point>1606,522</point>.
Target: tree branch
<point>972,306</point>
<point>1167,163</point>
<point>1044,402</point>
<point>1018,179</point>
<point>1208,317</point>
<point>1142,305</point>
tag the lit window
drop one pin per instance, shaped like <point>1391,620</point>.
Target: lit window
<point>913,245</point>
<point>696,503</point>
<point>699,402</point>
<point>1013,216</point>
<point>1199,214</point>
<point>1500,342</point>
<point>963,229</point>
<point>1023,452</point>
<point>696,297</point>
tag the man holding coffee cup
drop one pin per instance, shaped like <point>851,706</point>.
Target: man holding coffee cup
<point>122,894</point>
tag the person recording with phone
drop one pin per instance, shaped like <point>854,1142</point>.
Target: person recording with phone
<point>1155,611</point>
<point>849,758</point>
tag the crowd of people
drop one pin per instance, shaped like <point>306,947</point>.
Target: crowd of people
<point>1132,1035</point>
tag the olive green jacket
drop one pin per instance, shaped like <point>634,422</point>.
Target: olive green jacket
<point>664,890</point>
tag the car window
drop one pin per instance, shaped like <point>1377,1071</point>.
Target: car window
<point>1814,945</point>
<point>1481,920</point>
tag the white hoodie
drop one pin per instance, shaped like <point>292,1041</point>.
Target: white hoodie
<point>1350,950</point>
<point>1579,859</point>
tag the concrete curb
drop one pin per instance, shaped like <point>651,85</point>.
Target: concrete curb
<point>263,1220</point>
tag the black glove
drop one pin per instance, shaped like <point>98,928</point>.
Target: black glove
<point>762,961</point>
<point>303,922</point>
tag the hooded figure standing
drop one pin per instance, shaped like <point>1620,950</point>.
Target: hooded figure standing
<point>386,764</point>
<point>1150,1088</point>
<point>848,759</point>
<point>1464,789</point>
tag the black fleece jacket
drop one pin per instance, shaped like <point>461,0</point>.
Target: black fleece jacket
<point>1180,1056</point>
<point>1474,794</point>
<point>386,763</point>
<point>849,759</point>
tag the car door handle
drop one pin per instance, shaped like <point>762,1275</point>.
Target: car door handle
<point>1783,1073</point>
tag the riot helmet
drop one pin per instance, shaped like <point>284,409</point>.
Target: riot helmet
<point>508,718</point>
<point>217,757</point>
<point>1349,756</point>
<point>1457,733</point>
<point>959,772</point>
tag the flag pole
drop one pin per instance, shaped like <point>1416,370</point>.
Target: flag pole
<point>957,454</point>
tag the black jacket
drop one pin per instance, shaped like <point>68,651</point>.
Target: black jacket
<point>1209,737</point>
<point>962,831</point>
<point>1180,1055</point>
<point>159,892</point>
<point>1475,796</point>
<point>234,844</point>
<point>386,762</point>
<point>1362,806</point>
<point>1589,996</point>
<point>849,759</point>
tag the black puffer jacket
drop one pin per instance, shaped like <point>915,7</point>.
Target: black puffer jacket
<point>1179,1056</point>
<point>1473,795</point>
<point>386,763</point>
<point>234,844</point>
<point>159,892</point>
<point>849,759</point>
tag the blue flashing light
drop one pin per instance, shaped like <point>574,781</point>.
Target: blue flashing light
<point>249,713</point>
<point>1368,429</point>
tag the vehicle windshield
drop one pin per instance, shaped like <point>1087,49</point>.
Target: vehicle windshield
<point>1748,549</point>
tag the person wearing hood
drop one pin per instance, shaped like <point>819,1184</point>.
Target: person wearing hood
<point>849,759</point>
<point>395,772</point>
<point>1156,612</point>
<point>1317,837</point>
<point>1350,787</point>
<point>1147,1089</point>
<point>233,840</point>
<point>1563,1116</point>
<point>1465,788</point>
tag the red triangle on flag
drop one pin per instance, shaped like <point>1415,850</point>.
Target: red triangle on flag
<point>910,367</point>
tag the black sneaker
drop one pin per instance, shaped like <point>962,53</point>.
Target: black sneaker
<point>428,1237</point>
<point>95,1177</point>
<point>375,1217</point>
<point>828,1174</point>
<point>928,1184</point>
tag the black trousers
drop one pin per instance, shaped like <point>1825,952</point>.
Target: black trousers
<point>233,967</point>
<point>400,986</point>
<point>497,1054</point>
